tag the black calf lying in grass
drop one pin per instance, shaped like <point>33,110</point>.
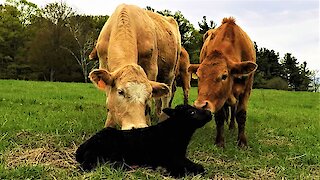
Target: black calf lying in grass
<point>164,144</point>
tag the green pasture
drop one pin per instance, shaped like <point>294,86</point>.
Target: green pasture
<point>42,123</point>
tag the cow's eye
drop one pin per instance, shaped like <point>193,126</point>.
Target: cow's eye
<point>121,92</point>
<point>224,77</point>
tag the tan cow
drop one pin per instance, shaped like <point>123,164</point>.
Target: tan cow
<point>136,48</point>
<point>227,65</point>
<point>183,75</point>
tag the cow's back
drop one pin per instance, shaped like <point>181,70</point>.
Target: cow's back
<point>168,42</point>
<point>231,40</point>
<point>128,26</point>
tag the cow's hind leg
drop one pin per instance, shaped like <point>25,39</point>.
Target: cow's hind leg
<point>174,89</point>
<point>232,118</point>
<point>185,79</point>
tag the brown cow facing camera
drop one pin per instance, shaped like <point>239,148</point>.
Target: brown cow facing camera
<point>225,76</point>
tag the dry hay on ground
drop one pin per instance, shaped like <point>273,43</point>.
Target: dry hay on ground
<point>47,156</point>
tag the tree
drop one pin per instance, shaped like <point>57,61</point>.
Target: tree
<point>315,80</point>
<point>82,28</point>
<point>204,26</point>
<point>297,76</point>
<point>270,71</point>
<point>28,10</point>
<point>305,77</point>
<point>12,39</point>
<point>45,53</point>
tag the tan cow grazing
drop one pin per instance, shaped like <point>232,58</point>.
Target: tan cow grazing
<point>183,75</point>
<point>136,48</point>
<point>227,65</point>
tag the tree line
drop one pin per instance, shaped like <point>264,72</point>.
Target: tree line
<point>53,43</point>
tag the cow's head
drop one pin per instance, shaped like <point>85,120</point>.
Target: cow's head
<point>128,90</point>
<point>216,75</point>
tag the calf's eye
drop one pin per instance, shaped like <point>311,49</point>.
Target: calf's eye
<point>192,112</point>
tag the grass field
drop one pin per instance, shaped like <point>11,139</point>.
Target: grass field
<point>42,123</point>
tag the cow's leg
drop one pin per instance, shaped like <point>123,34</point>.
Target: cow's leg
<point>232,118</point>
<point>158,105</point>
<point>220,117</point>
<point>174,89</point>
<point>166,99</point>
<point>185,79</point>
<point>241,117</point>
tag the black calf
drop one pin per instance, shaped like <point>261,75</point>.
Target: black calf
<point>164,144</point>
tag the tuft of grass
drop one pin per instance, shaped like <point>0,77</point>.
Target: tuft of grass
<point>42,124</point>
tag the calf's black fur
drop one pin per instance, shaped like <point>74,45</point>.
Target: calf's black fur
<point>164,144</point>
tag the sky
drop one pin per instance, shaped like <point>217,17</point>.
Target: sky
<point>286,26</point>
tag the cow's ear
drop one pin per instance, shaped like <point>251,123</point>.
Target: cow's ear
<point>101,78</point>
<point>204,37</point>
<point>168,111</point>
<point>159,89</point>
<point>193,69</point>
<point>243,68</point>
<point>93,55</point>
<point>207,34</point>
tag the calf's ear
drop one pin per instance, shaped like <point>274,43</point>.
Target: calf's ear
<point>169,112</point>
<point>159,89</point>
<point>243,68</point>
<point>193,69</point>
<point>101,78</point>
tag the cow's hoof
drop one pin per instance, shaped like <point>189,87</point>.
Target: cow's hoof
<point>242,143</point>
<point>219,143</point>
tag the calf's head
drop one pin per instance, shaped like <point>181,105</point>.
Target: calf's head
<point>128,90</point>
<point>189,116</point>
<point>216,75</point>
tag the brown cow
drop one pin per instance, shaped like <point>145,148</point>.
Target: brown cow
<point>183,75</point>
<point>136,48</point>
<point>227,65</point>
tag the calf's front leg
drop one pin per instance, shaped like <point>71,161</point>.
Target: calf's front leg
<point>185,166</point>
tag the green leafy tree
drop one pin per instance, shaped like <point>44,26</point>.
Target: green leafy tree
<point>205,26</point>
<point>28,10</point>
<point>12,39</point>
<point>270,73</point>
<point>297,76</point>
<point>45,53</point>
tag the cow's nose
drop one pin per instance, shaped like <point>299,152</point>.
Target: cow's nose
<point>201,104</point>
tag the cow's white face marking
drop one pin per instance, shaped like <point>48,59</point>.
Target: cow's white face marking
<point>134,93</point>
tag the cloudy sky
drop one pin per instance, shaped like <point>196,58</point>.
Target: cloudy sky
<point>286,26</point>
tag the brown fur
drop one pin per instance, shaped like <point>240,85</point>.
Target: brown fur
<point>136,36</point>
<point>227,64</point>
<point>183,75</point>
